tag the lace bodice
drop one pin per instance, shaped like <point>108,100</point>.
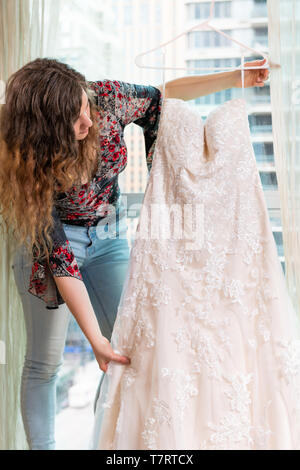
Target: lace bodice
<point>183,132</point>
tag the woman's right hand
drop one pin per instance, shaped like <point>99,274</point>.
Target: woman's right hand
<point>76,296</point>
<point>104,354</point>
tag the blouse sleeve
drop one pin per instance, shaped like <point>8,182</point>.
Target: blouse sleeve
<point>131,103</point>
<point>62,262</point>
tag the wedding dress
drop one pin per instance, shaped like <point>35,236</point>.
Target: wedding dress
<point>207,322</point>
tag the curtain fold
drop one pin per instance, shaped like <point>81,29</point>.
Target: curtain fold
<point>28,29</point>
<point>284,48</point>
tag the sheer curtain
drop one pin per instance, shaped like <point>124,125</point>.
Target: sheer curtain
<point>284,47</point>
<point>28,29</point>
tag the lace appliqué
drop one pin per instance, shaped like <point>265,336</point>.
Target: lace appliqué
<point>160,417</point>
<point>235,430</point>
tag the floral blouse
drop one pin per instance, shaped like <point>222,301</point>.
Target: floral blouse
<point>119,104</point>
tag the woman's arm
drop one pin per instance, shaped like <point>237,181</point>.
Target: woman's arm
<point>62,274</point>
<point>191,87</point>
<point>75,294</point>
<point>77,299</point>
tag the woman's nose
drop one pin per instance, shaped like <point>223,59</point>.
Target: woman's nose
<point>87,121</point>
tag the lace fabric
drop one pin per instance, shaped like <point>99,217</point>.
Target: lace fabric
<point>211,332</point>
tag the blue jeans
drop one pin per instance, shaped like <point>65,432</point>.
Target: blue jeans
<point>103,263</point>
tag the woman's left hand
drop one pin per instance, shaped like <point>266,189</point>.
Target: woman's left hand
<point>253,77</point>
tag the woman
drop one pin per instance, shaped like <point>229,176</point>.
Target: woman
<point>62,148</point>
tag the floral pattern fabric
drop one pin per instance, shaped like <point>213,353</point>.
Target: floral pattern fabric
<point>119,104</point>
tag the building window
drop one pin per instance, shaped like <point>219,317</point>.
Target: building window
<point>261,94</point>
<point>279,242</point>
<point>260,122</point>
<point>197,39</point>
<point>196,11</point>
<point>214,98</point>
<point>222,9</point>
<point>193,65</point>
<point>261,35</point>
<point>260,9</point>
<point>264,152</point>
<point>269,180</point>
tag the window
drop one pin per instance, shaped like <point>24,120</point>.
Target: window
<point>269,180</point>
<point>214,98</point>
<point>260,122</point>
<point>197,39</point>
<point>264,152</point>
<point>201,10</point>
<point>196,12</point>
<point>260,35</point>
<point>222,62</point>
<point>222,9</point>
<point>259,9</point>
<point>261,94</point>
<point>279,242</point>
<point>261,32</point>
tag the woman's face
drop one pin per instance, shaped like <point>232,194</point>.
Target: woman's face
<point>81,126</point>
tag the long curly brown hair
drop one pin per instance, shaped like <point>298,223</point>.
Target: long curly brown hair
<point>39,154</point>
